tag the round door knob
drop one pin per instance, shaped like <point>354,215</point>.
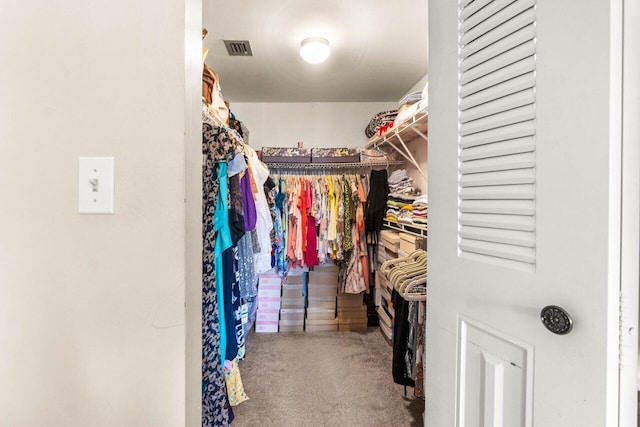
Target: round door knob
<point>556,320</point>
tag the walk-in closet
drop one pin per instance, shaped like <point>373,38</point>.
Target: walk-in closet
<point>315,213</point>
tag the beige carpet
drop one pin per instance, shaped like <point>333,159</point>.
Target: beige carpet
<point>323,379</point>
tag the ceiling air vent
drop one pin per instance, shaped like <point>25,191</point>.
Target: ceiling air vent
<point>238,47</point>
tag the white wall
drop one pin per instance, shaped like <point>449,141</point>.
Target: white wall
<point>418,148</point>
<point>317,124</point>
<point>419,86</point>
<point>92,307</point>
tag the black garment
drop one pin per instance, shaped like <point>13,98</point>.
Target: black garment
<point>230,323</point>
<point>236,210</point>
<point>376,208</point>
<point>400,369</point>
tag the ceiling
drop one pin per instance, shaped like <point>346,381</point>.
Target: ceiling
<point>378,49</point>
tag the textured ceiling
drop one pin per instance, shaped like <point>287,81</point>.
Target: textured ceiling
<point>378,48</point>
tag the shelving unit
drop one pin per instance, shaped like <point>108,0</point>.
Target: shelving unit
<point>412,128</point>
<point>414,229</point>
<point>314,166</point>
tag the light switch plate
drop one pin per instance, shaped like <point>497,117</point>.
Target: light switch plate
<point>95,185</point>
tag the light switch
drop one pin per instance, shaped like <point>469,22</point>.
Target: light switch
<point>95,185</point>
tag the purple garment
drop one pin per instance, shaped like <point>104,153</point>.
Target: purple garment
<point>249,205</point>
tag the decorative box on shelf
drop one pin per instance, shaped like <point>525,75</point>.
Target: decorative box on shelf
<point>335,155</point>
<point>286,155</point>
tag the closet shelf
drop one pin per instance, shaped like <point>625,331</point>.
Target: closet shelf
<point>410,129</point>
<point>413,229</point>
<point>313,166</point>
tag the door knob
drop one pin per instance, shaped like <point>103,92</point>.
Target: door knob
<point>556,319</point>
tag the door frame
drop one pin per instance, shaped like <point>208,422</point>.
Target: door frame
<point>630,215</point>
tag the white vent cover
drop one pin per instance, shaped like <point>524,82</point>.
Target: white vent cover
<point>497,130</point>
<point>238,47</point>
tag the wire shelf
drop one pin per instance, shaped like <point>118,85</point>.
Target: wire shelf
<point>414,229</point>
<point>313,166</point>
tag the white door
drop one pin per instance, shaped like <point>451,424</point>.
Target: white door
<point>524,194</point>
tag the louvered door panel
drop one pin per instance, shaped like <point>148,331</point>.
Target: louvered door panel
<point>497,111</point>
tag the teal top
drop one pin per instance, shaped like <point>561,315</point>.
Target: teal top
<point>223,242</point>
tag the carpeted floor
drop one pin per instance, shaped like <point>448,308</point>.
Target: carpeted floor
<point>323,379</point>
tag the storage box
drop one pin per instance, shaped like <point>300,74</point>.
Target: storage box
<point>292,322</point>
<point>325,268</point>
<point>295,279</point>
<point>356,327</point>
<point>350,300</point>
<point>292,314</point>
<point>291,328</point>
<point>322,302</point>
<point>323,278</point>
<point>286,155</point>
<point>407,242</point>
<point>269,303</point>
<point>267,327</point>
<point>335,155</point>
<point>321,314</point>
<point>269,286</point>
<point>328,325</point>
<point>291,325</point>
<point>267,320</point>
<point>265,315</point>
<point>297,302</point>
<point>291,291</point>
<point>353,315</point>
<point>316,290</point>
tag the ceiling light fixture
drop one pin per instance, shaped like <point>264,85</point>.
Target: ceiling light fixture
<point>314,50</point>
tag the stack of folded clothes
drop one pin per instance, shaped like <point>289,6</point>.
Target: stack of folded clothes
<point>408,106</point>
<point>402,194</point>
<point>419,213</point>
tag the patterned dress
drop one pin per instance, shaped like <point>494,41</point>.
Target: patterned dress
<point>216,410</point>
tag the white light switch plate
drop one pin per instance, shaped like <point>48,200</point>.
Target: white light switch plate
<point>95,185</point>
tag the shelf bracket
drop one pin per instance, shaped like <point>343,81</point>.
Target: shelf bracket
<point>410,156</point>
<point>422,135</point>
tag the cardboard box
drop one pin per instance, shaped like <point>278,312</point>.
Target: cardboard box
<point>267,316</point>
<point>297,279</point>
<point>269,285</point>
<point>291,291</point>
<point>269,327</point>
<point>407,242</point>
<point>356,327</point>
<point>316,290</point>
<point>322,302</point>
<point>323,278</point>
<point>297,322</point>
<point>350,300</point>
<point>321,313</point>
<point>291,328</point>
<point>269,279</point>
<point>293,314</point>
<point>328,325</point>
<point>352,315</point>
<point>269,303</point>
<point>326,268</point>
<point>292,302</point>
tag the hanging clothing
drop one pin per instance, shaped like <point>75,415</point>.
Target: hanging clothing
<point>401,369</point>
<point>223,243</point>
<point>264,224</point>
<point>320,219</point>
<point>376,204</point>
<point>216,410</point>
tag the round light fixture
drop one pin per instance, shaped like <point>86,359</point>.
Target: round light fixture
<point>314,50</point>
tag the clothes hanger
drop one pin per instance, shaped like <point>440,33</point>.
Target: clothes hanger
<point>411,282</point>
<point>386,266</point>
